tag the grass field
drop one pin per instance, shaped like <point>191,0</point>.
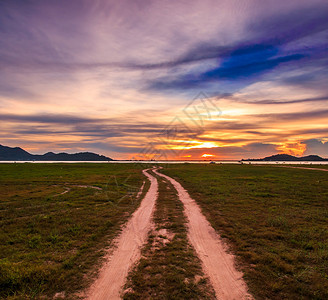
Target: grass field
<point>55,219</point>
<point>275,219</point>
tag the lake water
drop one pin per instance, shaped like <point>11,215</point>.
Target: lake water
<point>182,162</point>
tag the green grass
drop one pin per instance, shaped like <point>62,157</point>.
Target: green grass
<point>275,220</point>
<point>169,267</point>
<point>50,240</point>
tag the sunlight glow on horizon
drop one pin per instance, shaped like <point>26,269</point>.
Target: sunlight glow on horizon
<point>207,155</point>
<point>124,78</point>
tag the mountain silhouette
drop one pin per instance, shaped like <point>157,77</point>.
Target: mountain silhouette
<point>287,157</point>
<point>19,154</point>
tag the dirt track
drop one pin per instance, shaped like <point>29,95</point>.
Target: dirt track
<point>217,263</point>
<point>113,274</point>
<point>305,168</point>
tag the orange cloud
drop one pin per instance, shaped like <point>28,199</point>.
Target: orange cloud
<point>292,148</point>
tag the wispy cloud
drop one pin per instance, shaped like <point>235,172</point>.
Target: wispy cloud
<point>110,75</point>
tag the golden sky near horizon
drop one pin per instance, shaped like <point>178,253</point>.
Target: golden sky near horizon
<point>187,80</point>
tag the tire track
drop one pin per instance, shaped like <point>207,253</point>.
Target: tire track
<point>114,272</point>
<point>218,264</point>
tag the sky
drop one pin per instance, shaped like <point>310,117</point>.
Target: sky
<point>196,79</point>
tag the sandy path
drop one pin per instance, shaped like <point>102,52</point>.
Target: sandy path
<point>305,168</point>
<point>218,264</point>
<point>113,274</point>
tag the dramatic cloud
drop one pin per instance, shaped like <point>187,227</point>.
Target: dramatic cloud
<point>316,147</point>
<point>110,76</point>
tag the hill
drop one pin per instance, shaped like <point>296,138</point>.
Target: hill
<point>19,154</point>
<point>287,157</point>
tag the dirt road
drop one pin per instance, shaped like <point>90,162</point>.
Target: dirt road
<point>305,168</point>
<point>217,263</point>
<point>113,274</point>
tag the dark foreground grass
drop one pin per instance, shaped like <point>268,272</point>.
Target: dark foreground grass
<point>169,267</point>
<point>54,218</point>
<point>276,220</point>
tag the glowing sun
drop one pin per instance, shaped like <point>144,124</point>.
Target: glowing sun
<point>207,155</point>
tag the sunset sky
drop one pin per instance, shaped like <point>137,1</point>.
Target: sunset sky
<point>175,79</point>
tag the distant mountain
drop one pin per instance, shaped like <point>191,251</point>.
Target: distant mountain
<point>313,158</point>
<point>19,154</point>
<point>287,157</point>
